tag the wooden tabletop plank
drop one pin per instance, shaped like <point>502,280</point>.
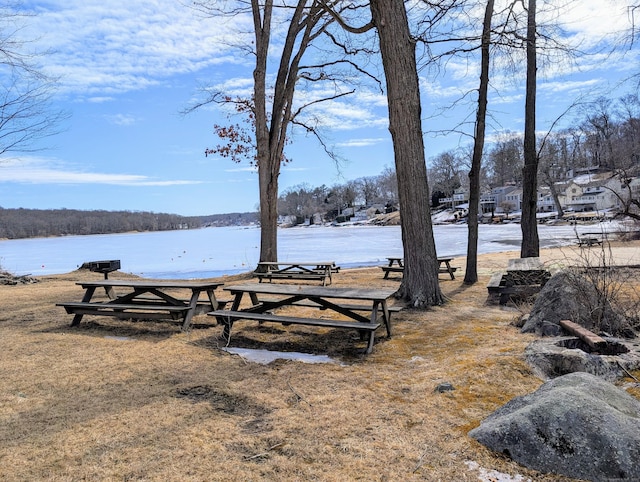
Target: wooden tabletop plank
<point>297,263</point>
<point>187,284</point>
<point>310,290</point>
<point>525,264</point>
<point>400,258</point>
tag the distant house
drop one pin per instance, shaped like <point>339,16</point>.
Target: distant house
<point>545,202</point>
<point>490,203</point>
<point>513,199</point>
<point>360,215</point>
<point>589,192</point>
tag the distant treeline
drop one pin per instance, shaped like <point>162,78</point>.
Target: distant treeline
<point>32,223</point>
<point>230,219</point>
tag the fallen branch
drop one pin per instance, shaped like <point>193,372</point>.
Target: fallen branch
<point>627,372</point>
<point>297,395</point>
<point>264,454</point>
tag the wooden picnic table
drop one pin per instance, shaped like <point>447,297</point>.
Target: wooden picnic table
<point>523,278</point>
<point>589,241</point>
<point>349,302</point>
<point>145,300</point>
<point>396,265</point>
<point>298,270</point>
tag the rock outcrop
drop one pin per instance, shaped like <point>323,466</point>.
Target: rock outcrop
<point>577,425</point>
<point>569,295</point>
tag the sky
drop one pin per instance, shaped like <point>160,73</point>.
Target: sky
<point>127,71</point>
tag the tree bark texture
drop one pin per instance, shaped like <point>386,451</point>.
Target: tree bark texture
<point>530,242</point>
<point>471,271</point>
<point>420,286</point>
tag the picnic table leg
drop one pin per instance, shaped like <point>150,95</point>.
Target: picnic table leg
<point>449,270</point>
<point>212,299</point>
<point>227,322</point>
<point>85,299</point>
<point>193,304</point>
<point>372,336</point>
<point>236,301</point>
<point>387,317</point>
<point>372,333</point>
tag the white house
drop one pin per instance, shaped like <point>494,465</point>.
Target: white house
<point>589,192</point>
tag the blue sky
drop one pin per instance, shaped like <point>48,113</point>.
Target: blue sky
<point>127,69</point>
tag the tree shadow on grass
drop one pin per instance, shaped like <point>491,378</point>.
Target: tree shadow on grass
<point>150,331</point>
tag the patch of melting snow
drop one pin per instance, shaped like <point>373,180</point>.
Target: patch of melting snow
<point>119,338</point>
<point>267,356</point>
<point>490,475</point>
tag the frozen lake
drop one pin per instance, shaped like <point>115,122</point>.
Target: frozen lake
<point>211,252</point>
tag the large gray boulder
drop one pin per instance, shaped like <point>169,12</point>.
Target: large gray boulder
<point>577,425</point>
<point>570,295</point>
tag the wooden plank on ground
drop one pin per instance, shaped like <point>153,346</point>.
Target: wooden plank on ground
<point>590,338</point>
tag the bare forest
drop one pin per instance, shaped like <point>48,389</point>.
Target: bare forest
<point>605,134</point>
<point>32,223</point>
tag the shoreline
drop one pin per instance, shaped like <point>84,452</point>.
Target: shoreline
<point>206,253</point>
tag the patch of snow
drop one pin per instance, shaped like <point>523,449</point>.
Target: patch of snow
<point>490,475</point>
<point>265,357</point>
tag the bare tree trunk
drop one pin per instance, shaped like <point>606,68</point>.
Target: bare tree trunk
<point>471,271</point>
<point>550,181</point>
<point>268,185</point>
<point>530,243</point>
<point>420,286</point>
<point>271,130</point>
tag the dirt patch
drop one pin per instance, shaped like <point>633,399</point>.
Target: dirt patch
<point>118,400</point>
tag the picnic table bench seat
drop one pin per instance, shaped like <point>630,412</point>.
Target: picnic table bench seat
<point>227,317</point>
<point>291,275</point>
<point>495,283</point>
<point>352,307</point>
<point>124,310</point>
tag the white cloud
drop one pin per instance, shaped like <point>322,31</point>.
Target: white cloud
<point>362,142</point>
<point>242,169</point>
<point>590,21</point>
<point>99,99</point>
<point>121,119</point>
<point>46,171</point>
<point>113,46</point>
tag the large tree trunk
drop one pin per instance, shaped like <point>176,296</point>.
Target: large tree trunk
<point>267,183</point>
<point>530,243</point>
<point>471,271</point>
<point>420,286</point>
<point>271,130</point>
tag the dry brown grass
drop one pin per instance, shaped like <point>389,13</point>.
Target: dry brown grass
<point>86,404</point>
